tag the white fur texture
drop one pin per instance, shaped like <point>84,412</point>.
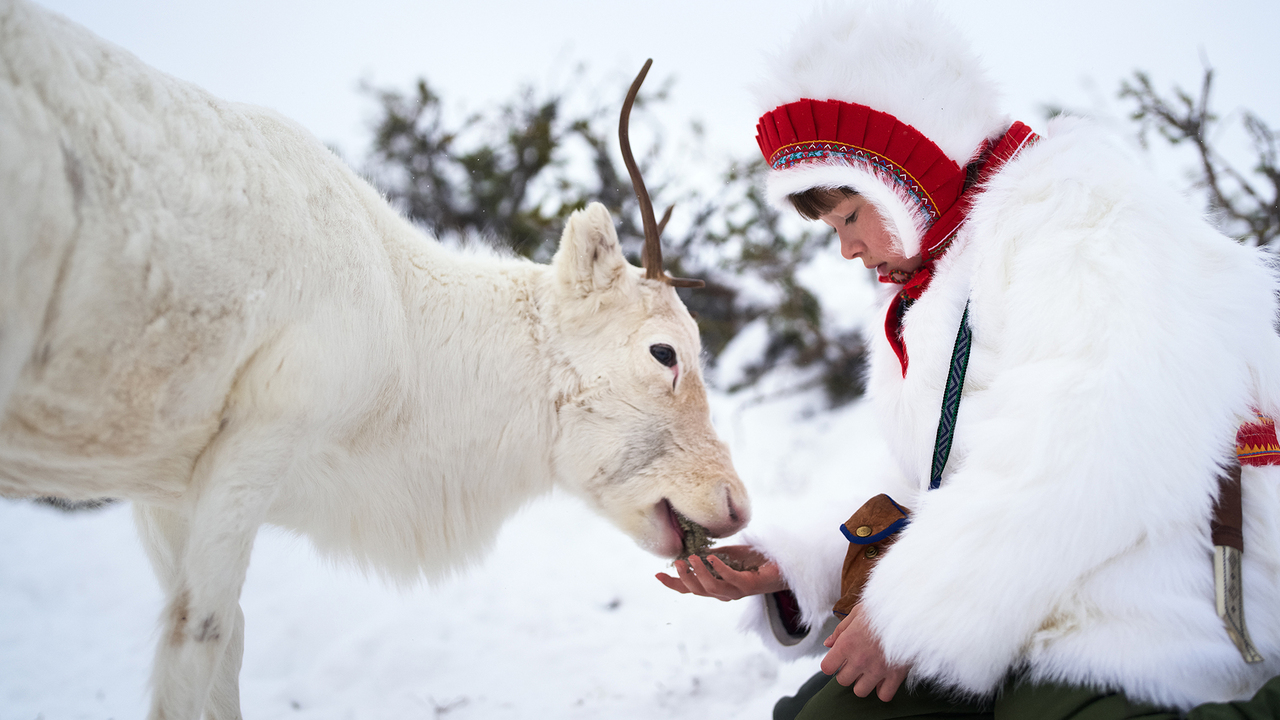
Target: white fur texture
<point>902,58</point>
<point>1118,342</point>
<point>204,311</point>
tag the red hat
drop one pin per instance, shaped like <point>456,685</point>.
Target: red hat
<point>833,132</point>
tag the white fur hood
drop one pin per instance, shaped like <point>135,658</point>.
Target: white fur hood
<point>904,59</point>
<point>1118,343</point>
<point>900,58</point>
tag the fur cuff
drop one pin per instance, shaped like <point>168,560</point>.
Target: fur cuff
<point>762,618</point>
<point>810,565</point>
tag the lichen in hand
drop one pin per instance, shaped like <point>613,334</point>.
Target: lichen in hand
<point>697,542</point>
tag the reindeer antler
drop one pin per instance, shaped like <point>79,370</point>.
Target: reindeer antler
<point>651,256</point>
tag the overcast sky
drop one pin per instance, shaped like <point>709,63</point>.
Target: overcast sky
<point>306,58</point>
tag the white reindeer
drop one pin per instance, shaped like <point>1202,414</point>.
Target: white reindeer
<point>203,311</point>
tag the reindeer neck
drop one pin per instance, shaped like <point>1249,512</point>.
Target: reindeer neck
<point>478,425</point>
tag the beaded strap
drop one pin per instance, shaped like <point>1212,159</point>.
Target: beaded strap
<point>951,400</point>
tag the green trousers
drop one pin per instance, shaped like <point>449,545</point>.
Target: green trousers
<point>822,698</point>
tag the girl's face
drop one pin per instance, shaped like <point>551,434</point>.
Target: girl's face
<point>863,235</point>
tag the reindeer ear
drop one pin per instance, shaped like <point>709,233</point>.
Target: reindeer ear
<point>589,259</point>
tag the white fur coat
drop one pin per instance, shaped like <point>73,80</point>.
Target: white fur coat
<point>1118,342</point>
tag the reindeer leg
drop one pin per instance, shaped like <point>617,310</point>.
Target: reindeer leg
<point>198,658</point>
<point>164,536</point>
<point>224,697</point>
<point>202,638</point>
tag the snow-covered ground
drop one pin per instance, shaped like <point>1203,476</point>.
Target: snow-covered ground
<point>563,620</point>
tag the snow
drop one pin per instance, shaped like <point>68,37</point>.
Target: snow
<point>564,619</point>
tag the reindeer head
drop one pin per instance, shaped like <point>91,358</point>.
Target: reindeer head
<point>636,439</point>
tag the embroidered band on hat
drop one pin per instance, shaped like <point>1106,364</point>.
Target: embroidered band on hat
<point>818,131</point>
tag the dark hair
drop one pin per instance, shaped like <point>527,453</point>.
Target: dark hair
<point>818,201</point>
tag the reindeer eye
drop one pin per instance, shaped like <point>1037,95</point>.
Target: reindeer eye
<point>664,354</point>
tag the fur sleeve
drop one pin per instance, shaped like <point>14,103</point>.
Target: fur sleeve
<point>809,558</point>
<point>1118,338</point>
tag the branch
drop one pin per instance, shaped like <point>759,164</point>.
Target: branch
<point>1191,119</point>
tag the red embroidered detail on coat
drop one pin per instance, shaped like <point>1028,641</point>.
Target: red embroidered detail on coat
<point>1256,442</point>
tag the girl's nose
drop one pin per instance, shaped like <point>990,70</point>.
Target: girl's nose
<point>847,247</point>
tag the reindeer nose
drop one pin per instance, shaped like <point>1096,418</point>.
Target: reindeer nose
<point>737,514</point>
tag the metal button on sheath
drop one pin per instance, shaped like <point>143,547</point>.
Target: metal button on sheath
<point>871,551</point>
<point>862,531</point>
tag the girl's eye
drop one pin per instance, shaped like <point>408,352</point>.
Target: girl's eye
<point>850,220</point>
<point>663,353</point>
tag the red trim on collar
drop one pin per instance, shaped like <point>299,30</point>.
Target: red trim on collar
<point>938,238</point>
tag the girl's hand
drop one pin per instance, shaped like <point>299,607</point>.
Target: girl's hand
<point>695,577</point>
<point>856,659</point>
